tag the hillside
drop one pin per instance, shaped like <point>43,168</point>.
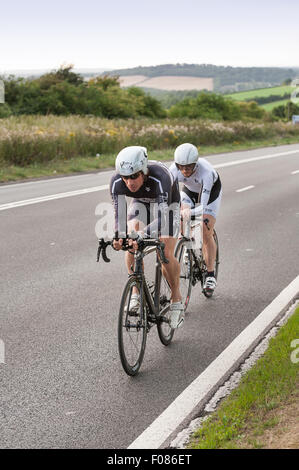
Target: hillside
<point>167,82</point>
<point>224,78</point>
<point>252,95</point>
<point>268,98</point>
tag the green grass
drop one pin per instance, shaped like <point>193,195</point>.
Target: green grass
<point>263,92</point>
<point>243,415</point>
<point>88,164</point>
<point>274,104</point>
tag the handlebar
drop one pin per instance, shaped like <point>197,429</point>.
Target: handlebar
<point>142,244</point>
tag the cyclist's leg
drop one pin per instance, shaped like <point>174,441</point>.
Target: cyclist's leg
<point>133,225</point>
<point>187,203</point>
<point>172,270</point>
<point>172,273</point>
<point>136,215</point>
<point>209,245</point>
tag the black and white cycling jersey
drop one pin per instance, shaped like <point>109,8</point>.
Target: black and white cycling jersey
<point>202,186</point>
<point>159,191</point>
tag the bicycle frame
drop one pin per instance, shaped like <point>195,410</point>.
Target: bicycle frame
<point>153,304</point>
<point>151,245</point>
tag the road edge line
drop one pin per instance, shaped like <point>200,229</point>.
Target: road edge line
<point>191,401</point>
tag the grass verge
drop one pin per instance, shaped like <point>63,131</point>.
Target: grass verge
<point>88,164</point>
<point>243,418</point>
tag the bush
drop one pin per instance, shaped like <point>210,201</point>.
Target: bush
<point>252,110</point>
<point>285,111</point>
<point>64,92</point>
<point>5,110</point>
<point>208,106</point>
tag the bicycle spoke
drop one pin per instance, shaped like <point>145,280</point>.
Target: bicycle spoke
<point>183,255</point>
<point>164,329</point>
<point>132,329</point>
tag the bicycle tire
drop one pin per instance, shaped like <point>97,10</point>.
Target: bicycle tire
<point>132,329</point>
<point>217,254</point>
<point>184,257</point>
<point>165,331</point>
<point>209,294</point>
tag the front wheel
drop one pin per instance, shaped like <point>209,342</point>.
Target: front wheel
<point>132,327</point>
<point>165,331</point>
<point>184,257</point>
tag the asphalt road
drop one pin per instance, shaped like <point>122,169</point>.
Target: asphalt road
<point>62,384</point>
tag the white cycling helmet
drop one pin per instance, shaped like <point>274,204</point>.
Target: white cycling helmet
<point>185,154</point>
<point>130,160</point>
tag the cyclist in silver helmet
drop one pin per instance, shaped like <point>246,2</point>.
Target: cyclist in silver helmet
<point>154,212</point>
<point>201,185</point>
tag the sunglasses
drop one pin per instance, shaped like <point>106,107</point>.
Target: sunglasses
<point>132,177</point>
<point>186,167</point>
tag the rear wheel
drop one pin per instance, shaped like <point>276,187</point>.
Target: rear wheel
<point>217,254</point>
<point>132,328</point>
<point>184,257</point>
<point>209,293</point>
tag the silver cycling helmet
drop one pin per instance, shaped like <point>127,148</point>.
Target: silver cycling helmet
<point>185,154</point>
<point>130,160</point>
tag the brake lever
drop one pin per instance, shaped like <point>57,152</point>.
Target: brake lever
<point>104,255</point>
<point>99,251</point>
<point>102,248</point>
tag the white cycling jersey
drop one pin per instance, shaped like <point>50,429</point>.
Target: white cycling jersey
<point>201,181</point>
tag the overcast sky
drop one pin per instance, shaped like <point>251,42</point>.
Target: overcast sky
<point>36,34</point>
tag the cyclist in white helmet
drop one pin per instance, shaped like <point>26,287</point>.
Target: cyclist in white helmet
<point>201,185</point>
<point>154,212</point>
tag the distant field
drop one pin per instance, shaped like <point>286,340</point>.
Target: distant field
<point>170,82</point>
<point>263,92</point>
<point>131,80</point>
<point>274,104</point>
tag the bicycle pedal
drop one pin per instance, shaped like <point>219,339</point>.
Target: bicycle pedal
<point>133,313</point>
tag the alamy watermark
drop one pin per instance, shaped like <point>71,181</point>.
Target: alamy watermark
<point>295,353</point>
<point>2,92</point>
<point>162,219</point>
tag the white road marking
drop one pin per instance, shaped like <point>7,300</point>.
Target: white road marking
<point>295,172</point>
<point>99,188</point>
<point>204,386</point>
<point>244,189</point>
<point>26,202</point>
<point>255,159</point>
<point>50,180</point>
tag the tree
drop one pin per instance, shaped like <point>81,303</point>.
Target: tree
<point>285,111</point>
<point>104,82</point>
